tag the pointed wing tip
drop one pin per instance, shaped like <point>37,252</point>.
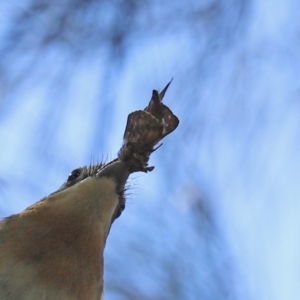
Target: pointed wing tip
<point>166,87</point>
<point>162,93</point>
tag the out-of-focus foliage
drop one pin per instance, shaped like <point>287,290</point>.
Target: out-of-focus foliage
<point>217,218</point>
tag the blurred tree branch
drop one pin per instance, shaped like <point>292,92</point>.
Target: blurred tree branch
<point>46,41</point>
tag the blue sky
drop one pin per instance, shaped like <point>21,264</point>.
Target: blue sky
<point>235,153</point>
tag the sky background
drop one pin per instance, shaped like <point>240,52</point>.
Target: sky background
<point>218,218</point>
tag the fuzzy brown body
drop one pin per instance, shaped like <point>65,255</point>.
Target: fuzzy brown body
<point>53,249</point>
